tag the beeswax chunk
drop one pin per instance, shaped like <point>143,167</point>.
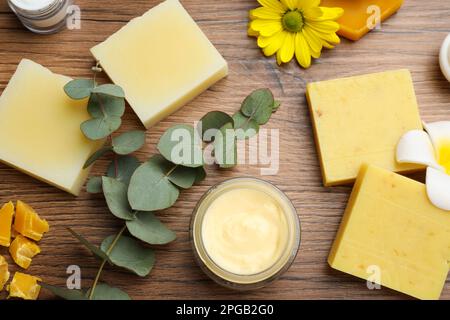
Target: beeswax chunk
<point>40,128</point>
<point>6,217</point>
<point>4,272</point>
<point>393,234</point>
<point>361,119</point>
<point>360,16</point>
<point>28,223</point>
<point>162,60</point>
<point>23,250</point>
<point>24,286</point>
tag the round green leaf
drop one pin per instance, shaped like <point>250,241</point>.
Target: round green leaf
<point>92,248</point>
<point>225,147</point>
<point>150,188</point>
<point>148,228</point>
<point>126,166</point>
<point>110,90</point>
<point>96,155</point>
<point>130,254</point>
<point>245,127</point>
<point>201,175</point>
<point>65,293</point>
<point>94,185</point>
<point>213,120</point>
<point>276,106</point>
<point>259,105</point>
<point>182,145</point>
<point>100,128</point>
<point>116,197</point>
<point>101,105</point>
<point>128,142</point>
<point>79,89</point>
<point>105,292</point>
<point>184,177</point>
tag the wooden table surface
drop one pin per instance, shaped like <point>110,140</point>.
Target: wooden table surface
<point>410,39</point>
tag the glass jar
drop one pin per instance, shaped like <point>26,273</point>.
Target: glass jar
<point>280,264</point>
<point>41,16</point>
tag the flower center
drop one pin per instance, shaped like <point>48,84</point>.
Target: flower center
<point>293,21</point>
<point>444,155</point>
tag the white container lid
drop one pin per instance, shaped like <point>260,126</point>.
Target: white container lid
<point>444,57</point>
<point>32,5</point>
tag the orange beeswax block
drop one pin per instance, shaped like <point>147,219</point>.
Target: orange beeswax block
<point>24,286</point>
<point>6,217</point>
<point>28,223</point>
<point>4,273</point>
<point>360,16</point>
<point>23,250</point>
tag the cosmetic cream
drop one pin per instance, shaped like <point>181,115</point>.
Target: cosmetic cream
<point>41,16</point>
<point>245,233</point>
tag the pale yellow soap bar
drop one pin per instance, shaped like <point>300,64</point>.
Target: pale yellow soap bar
<point>162,60</point>
<point>392,234</point>
<point>361,119</point>
<point>40,128</point>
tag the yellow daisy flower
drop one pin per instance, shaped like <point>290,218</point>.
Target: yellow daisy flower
<point>294,27</point>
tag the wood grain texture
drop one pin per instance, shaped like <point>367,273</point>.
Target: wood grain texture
<point>410,39</point>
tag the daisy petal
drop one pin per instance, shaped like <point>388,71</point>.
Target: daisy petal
<point>251,32</point>
<point>314,13</point>
<point>265,13</point>
<point>306,4</point>
<point>324,26</point>
<point>439,132</point>
<point>415,147</point>
<point>288,48</point>
<point>291,4</point>
<point>274,5</point>
<point>438,188</point>
<point>314,42</point>
<point>266,28</point>
<point>327,37</point>
<point>327,14</point>
<point>274,43</point>
<point>302,52</point>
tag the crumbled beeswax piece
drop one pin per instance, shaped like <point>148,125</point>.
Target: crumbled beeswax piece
<point>359,15</point>
<point>162,60</point>
<point>24,286</point>
<point>28,223</point>
<point>4,272</point>
<point>393,235</point>
<point>23,250</point>
<point>6,218</point>
<point>360,120</point>
<point>50,145</point>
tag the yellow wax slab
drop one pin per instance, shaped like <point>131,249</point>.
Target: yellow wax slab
<point>390,227</point>
<point>162,60</point>
<point>361,119</point>
<point>40,128</point>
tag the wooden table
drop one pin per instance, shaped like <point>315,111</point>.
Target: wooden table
<point>410,39</point>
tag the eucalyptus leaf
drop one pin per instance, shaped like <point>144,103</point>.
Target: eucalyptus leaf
<point>213,120</point>
<point>100,128</point>
<point>259,105</point>
<point>150,188</point>
<point>96,155</point>
<point>184,177</point>
<point>65,293</point>
<point>130,254</point>
<point>148,228</point>
<point>92,248</point>
<point>201,175</point>
<point>128,142</point>
<point>126,165</point>
<point>79,89</point>
<point>249,127</point>
<point>94,185</point>
<point>276,106</point>
<point>225,147</point>
<point>105,292</point>
<point>110,90</point>
<point>101,105</point>
<point>115,193</point>
<point>182,145</point>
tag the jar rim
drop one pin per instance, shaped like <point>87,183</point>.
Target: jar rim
<point>250,281</point>
<point>48,9</point>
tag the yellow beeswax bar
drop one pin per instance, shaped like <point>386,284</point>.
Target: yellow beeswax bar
<point>361,119</point>
<point>6,218</point>
<point>28,223</point>
<point>24,286</point>
<point>40,128</point>
<point>23,250</point>
<point>4,272</point>
<point>162,60</point>
<point>392,234</point>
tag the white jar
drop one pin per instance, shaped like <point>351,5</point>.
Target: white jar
<point>41,16</point>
